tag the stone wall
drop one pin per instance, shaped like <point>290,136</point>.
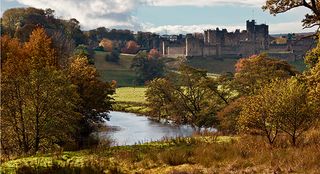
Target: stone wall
<point>176,51</point>
<point>209,51</point>
<point>221,43</point>
<point>193,46</point>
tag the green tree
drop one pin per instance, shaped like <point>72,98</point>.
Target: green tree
<point>72,30</point>
<point>313,85</point>
<point>95,96</point>
<point>283,105</point>
<point>187,98</point>
<point>114,56</point>
<point>84,51</point>
<point>147,68</point>
<point>38,110</point>
<point>255,72</point>
<point>313,55</point>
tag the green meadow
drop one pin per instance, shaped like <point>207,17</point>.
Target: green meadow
<point>119,72</point>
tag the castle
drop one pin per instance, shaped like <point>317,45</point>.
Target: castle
<point>223,44</point>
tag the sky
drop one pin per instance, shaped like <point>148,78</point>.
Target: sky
<point>168,16</point>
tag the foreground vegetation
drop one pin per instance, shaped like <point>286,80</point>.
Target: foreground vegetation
<point>204,154</point>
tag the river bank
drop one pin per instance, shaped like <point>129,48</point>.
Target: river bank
<point>199,154</point>
<point>131,100</point>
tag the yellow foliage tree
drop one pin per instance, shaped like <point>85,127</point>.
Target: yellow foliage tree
<point>39,49</point>
<point>95,95</point>
<point>282,105</point>
<point>38,100</point>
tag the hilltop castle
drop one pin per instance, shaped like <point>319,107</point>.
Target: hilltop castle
<point>223,44</point>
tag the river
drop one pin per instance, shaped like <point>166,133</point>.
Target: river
<point>130,129</point>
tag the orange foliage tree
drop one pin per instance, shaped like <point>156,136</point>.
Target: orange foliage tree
<point>154,53</point>
<point>131,47</point>
<point>94,94</point>
<point>106,44</point>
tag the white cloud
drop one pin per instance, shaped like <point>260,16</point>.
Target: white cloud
<point>288,27</point>
<point>183,29</point>
<point>93,13</point>
<point>205,2</point>
<point>116,13</point>
<point>274,28</point>
<point>120,14</point>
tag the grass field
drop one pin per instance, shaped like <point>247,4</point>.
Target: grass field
<point>130,99</point>
<point>130,94</point>
<point>212,65</point>
<point>119,72</point>
<point>219,66</point>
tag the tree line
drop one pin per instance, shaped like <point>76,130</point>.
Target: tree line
<point>265,96</point>
<point>47,101</point>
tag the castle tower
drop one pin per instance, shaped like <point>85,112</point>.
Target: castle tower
<point>251,26</point>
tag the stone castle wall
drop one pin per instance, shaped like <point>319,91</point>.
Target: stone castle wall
<point>176,51</point>
<point>221,43</point>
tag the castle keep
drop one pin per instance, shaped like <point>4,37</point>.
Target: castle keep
<point>223,44</point>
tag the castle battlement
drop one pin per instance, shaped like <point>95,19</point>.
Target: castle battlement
<point>216,42</point>
<point>220,43</point>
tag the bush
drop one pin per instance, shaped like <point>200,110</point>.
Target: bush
<point>114,56</point>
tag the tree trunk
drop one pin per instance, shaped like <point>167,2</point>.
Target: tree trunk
<point>37,136</point>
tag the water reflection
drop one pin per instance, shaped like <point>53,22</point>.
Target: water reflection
<point>132,129</point>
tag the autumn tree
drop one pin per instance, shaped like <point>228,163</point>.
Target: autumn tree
<point>254,72</point>
<point>40,51</point>
<point>280,6</point>
<point>312,78</point>
<point>154,53</point>
<point>313,56</point>
<point>95,96</point>
<point>147,68</point>
<point>229,115</point>
<point>160,97</point>
<point>63,46</point>
<point>38,101</point>
<point>84,51</point>
<point>131,47</point>
<point>284,106</point>
<point>9,47</point>
<point>186,98</point>
<point>106,44</point>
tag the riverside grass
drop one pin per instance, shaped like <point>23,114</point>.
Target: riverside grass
<point>131,99</point>
<point>199,154</point>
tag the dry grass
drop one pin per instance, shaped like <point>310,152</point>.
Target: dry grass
<point>187,156</point>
